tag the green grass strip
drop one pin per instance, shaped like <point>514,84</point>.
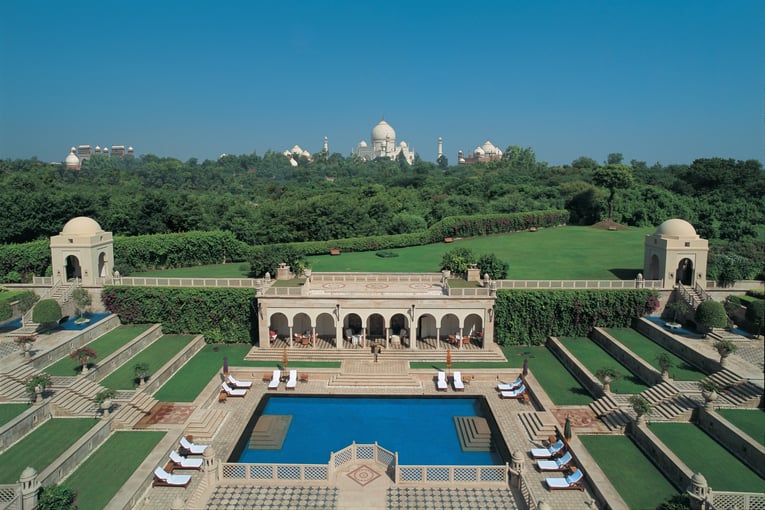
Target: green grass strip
<point>559,384</point>
<point>42,446</point>
<point>10,411</point>
<point>99,478</point>
<point>637,480</point>
<point>750,421</point>
<point>650,350</point>
<point>592,356</point>
<point>104,346</point>
<point>704,455</point>
<point>155,355</point>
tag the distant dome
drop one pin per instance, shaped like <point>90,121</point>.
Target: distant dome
<point>479,151</point>
<point>363,144</point>
<point>383,131</point>
<point>293,162</point>
<point>306,154</point>
<point>72,159</point>
<point>402,144</point>
<point>488,147</point>
<point>81,225</point>
<point>676,227</point>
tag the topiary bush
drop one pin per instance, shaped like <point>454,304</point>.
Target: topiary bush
<point>711,314</point>
<point>46,311</point>
<point>755,316</point>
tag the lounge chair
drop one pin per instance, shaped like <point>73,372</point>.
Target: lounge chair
<point>549,452</point>
<point>276,378</point>
<point>231,392</point>
<point>441,382</point>
<point>516,393</point>
<point>573,481</point>
<point>560,464</point>
<point>163,478</point>
<point>458,384</point>
<point>191,448</point>
<point>292,381</point>
<point>236,383</point>
<point>510,387</point>
<point>185,463</point>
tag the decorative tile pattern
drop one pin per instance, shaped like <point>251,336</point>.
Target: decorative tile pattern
<point>363,475</point>
<point>446,499</point>
<point>273,498</point>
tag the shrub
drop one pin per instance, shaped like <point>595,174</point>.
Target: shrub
<point>457,260</point>
<point>725,347</point>
<point>41,381</point>
<point>387,254</point>
<point>608,372</point>
<point>57,497</point>
<point>664,361</point>
<point>491,265</point>
<point>46,311</point>
<point>6,312</point>
<point>640,405</point>
<point>81,298</point>
<point>83,355</point>
<point>12,277</point>
<point>104,395</point>
<point>27,300</point>
<point>755,316</point>
<point>708,385</point>
<point>711,314</point>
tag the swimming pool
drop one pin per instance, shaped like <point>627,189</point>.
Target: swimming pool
<point>87,319</point>
<point>420,429</point>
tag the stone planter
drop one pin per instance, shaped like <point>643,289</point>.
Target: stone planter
<point>709,397</point>
<point>607,383</point>
<point>106,406</point>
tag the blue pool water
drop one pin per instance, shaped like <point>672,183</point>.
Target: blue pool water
<point>421,430</point>
<point>71,323</point>
<point>677,331</point>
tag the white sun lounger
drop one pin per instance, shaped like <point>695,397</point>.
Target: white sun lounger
<point>193,449</point>
<point>236,383</point>
<point>232,392</point>
<point>292,381</point>
<point>441,382</point>
<point>458,384</point>
<point>555,465</point>
<point>549,452</point>
<point>516,393</point>
<point>275,379</point>
<point>511,386</point>
<point>573,481</point>
<point>162,477</point>
<point>185,463</point>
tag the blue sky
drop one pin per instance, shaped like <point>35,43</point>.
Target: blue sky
<point>667,81</point>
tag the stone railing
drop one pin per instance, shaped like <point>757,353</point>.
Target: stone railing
<point>740,500</point>
<point>376,277</point>
<point>105,325</point>
<point>23,424</point>
<point>116,359</point>
<point>76,454</point>
<point>136,281</point>
<point>284,291</point>
<point>579,284</point>
<point>9,497</point>
<point>478,475</point>
<point>626,357</point>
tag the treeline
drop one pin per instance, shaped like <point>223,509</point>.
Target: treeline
<point>263,200</point>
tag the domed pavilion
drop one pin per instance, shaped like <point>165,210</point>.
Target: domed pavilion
<point>676,254</point>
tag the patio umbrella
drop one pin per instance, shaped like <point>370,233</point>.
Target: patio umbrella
<point>567,429</point>
<point>526,366</point>
<point>225,365</point>
<point>448,359</point>
<point>284,359</point>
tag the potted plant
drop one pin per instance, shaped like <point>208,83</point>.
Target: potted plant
<point>83,355</point>
<point>25,342</point>
<point>104,400</point>
<point>709,390</point>
<point>641,406</point>
<point>141,373</point>
<point>607,375</point>
<point>665,363</point>
<point>37,385</point>
<point>724,348</point>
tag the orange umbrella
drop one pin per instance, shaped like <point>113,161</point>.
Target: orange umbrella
<point>284,359</point>
<point>448,359</point>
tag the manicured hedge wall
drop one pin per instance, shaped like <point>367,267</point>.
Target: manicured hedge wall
<point>222,315</point>
<point>27,258</point>
<point>530,316</point>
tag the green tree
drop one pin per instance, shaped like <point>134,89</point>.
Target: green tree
<point>711,314</point>
<point>755,315</point>
<point>457,260</point>
<point>615,158</point>
<point>493,266</point>
<point>82,299</point>
<point>612,177</point>
<point>583,162</point>
<point>57,497</point>
<point>5,311</point>
<point>46,311</point>
<point>443,162</point>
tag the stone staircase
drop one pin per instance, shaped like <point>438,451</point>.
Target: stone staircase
<point>374,381</point>
<point>474,434</point>
<point>668,402</point>
<point>488,354</point>
<point>131,412</point>
<point>736,391</point>
<point>76,400</point>
<point>205,424</point>
<point>61,292</point>
<point>610,412</point>
<point>539,425</point>
<point>269,432</point>
<point>604,405</point>
<point>13,384</point>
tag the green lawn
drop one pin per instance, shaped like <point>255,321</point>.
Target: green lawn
<point>552,253</point>
<point>704,455</point>
<point>562,388</point>
<point>191,379</point>
<point>103,345</point>
<point>750,421</point>
<point>42,446</point>
<point>10,295</point>
<point>649,350</point>
<point>592,356</point>
<point>99,478</point>
<point>10,411</point>
<point>155,355</point>
<point>637,480</point>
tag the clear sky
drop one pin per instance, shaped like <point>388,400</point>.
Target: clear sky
<point>666,81</point>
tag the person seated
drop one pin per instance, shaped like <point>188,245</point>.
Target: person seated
<point>402,334</point>
<point>272,335</point>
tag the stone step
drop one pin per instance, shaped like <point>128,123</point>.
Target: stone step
<point>603,405</point>
<point>143,402</point>
<point>539,425</point>
<point>677,407</point>
<point>23,373</point>
<point>127,417</point>
<point>616,420</point>
<point>204,425</point>
<point>269,432</point>
<point>374,380</point>
<point>660,392</point>
<point>474,433</point>
<point>746,394</point>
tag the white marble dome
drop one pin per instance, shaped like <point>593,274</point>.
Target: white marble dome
<point>383,131</point>
<point>81,225</point>
<point>676,227</point>
<point>72,159</point>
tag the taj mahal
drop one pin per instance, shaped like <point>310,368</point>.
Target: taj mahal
<point>384,145</point>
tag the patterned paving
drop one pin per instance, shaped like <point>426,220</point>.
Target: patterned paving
<point>168,414</point>
<point>363,475</point>
<point>456,499</point>
<point>273,498</point>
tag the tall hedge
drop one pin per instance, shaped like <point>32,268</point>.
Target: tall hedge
<point>46,311</point>
<point>26,259</point>
<point>530,316</point>
<point>222,315</point>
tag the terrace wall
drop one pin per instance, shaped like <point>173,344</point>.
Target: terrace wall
<point>677,347</point>
<point>161,376</point>
<point>749,451</point>
<point>634,363</point>
<point>583,375</point>
<point>124,353</point>
<point>670,464</point>
<point>76,454</point>
<point>23,424</point>
<point>60,351</point>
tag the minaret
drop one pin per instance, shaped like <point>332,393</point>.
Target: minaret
<point>440,147</point>
<point>326,145</point>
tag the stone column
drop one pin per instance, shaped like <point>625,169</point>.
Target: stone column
<point>30,487</point>
<point>517,468</point>
<point>698,492</point>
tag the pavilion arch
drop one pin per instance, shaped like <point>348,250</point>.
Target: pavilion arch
<point>472,325</point>
<point>73,269</point>
<point>352,322</point>
<point>325,325</point>
<point>684,272</point>
<point>654,268</point>
<point>375,326</point>
<point>102,267</point>
<point>398,322</point>
<point>280,324</point>
<point>427,327</point>
<point>301,323</point>
<point>450,324</point>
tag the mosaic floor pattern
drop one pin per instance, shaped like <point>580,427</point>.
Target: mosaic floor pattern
<point>459,498</point>
<point>363,475</point>
<point>273,498</point>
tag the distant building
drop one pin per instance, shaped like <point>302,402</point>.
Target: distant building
<point>483,154</point>
<point>295,152</point>
<point>84,152</point>
<point>384,145</point>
